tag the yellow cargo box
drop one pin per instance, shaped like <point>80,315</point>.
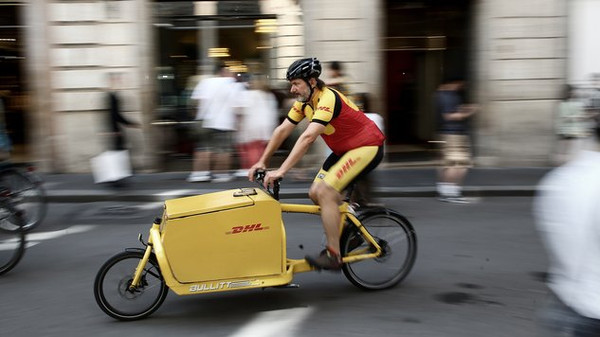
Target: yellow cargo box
<point>224,235</point>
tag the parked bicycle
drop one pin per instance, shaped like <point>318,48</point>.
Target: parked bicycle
<point>12,233</point>
<point>234,240</point>
<point>22,208</point>
<point>24,188</point>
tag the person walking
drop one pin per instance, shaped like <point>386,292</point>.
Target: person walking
<point>454,129</point>
<point>114,166</point>
<point>218,105</point>
<point>116,119</point>
<point>5,142</point>
<point>355,141</point>
<point>567,214</point>
<point>364,186</point>
<point>337,79</point>
<point>572,126</point>
<point>253,133</point>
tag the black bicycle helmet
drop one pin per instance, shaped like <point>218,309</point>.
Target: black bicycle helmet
<point>304,68</point>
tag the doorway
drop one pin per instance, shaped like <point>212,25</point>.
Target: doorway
<point>13,94</point>
<point>425,41</point>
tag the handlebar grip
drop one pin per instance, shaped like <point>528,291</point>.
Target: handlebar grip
<point>259,177</point>
<point>276,189</point>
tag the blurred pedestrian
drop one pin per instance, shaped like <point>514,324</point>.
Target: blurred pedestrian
<point>337,79</point>
<point>114,166</point>
<point>116,119</point>
<point>593,95</point>
<point>363,188</point>
<point>254,131</point>
<point>5,142</point>
<point>567,210</point>
<point>572,126</point>
<point>218,98</point>
<point>454,129</point>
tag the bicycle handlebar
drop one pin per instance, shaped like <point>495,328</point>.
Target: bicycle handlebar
<point>259,177</point>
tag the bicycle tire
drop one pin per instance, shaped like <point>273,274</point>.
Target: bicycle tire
<point>26,194</point>
<point>12,243</point>
<point>395,235</point>
<point>122,305</point>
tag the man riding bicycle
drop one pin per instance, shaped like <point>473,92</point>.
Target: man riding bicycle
<point>355,140</point>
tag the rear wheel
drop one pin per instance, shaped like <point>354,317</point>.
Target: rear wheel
<point>397,239</point>
<point>112,287</point>
<point>26,195</point>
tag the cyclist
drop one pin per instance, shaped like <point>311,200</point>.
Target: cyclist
<point>355,141</point>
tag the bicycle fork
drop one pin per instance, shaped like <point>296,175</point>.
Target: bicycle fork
<point>139,270</point>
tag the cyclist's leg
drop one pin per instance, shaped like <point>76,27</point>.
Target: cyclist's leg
<point>339,171</point>
<point>332,179</point>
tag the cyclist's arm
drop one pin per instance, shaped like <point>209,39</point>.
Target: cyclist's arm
<point>302,144</point>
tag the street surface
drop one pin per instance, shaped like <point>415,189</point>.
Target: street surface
<point>479,272</point>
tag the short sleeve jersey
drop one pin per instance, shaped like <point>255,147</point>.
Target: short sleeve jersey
<point>346,127</point>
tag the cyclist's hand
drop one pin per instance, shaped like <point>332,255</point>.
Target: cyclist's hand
<point>254,168</point>
<point>271,177</point>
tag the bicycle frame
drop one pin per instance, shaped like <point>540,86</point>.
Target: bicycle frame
<point>292,266</point>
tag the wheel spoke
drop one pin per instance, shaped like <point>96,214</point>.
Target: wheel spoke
<point>128,303</point>
<point>396,238</point>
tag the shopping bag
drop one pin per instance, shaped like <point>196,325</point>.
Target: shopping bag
<point>111,166</point>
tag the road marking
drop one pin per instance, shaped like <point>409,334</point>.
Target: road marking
<point>11,244</point>
<point>176,193</point>
<point>38,236</point>
<point>33,239</point>
<point>151,205</point>
<point>275,323</point>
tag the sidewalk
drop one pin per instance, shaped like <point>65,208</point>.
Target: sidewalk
<point>387,182</point>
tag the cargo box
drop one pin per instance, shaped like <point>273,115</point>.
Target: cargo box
<point>224,235</point>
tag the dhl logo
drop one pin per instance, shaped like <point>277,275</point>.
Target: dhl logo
<point>325,108</point>
<point>296,109</point>
<point>247,228</point>
<point>349,164</point>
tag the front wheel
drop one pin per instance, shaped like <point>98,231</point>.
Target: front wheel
<point>398,241</point>
<point>115,296</point>
<point>12,247</point>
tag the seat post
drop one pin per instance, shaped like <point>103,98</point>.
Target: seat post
<point>349,190</point>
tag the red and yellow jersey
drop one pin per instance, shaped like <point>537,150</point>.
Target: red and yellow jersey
<point>346,127</point>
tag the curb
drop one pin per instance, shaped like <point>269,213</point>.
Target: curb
<point>85,196</point>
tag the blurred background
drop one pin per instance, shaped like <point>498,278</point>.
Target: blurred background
<point>516,57</point>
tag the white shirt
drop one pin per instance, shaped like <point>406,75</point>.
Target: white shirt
<point>376,118</point>
<point>568,216</point>
<point>218,98</point>
<point>259,116</point>
<point>572,119</point>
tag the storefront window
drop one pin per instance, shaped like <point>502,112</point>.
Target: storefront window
<point>191,39</point>
<point>12,80</point>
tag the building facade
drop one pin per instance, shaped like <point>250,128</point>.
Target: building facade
<point>516,59</point>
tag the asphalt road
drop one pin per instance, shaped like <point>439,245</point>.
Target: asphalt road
<point>478,272</point>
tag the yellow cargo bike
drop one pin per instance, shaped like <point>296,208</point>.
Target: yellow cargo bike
<point>236,240</point>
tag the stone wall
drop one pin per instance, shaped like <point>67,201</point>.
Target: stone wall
<point>84,42</point>
<point>288,39</point>
<point>519,58</point>
<point>348,31</point>
<point>521,63</point>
